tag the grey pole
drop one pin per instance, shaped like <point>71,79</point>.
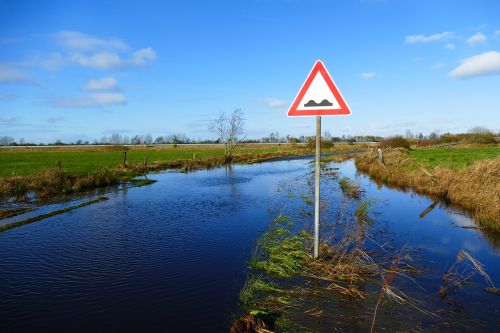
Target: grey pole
<point>316,187</point>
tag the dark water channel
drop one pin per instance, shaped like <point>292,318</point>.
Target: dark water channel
<point>172,256</point>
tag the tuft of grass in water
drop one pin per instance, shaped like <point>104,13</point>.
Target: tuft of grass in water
<point>349,188</point>
<point>362,211</point>
<point>142,182</point>
<point>280,259</point>
<point>254,286</point>
<point>284,255</point>
<point>281,253</point>
<point>307,199</point>
<point>50,214</point>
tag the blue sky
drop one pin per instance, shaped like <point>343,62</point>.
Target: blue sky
<point>81,70</point>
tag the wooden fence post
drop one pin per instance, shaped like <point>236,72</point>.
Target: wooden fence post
<point>381,156</point>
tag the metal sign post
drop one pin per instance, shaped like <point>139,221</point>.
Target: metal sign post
<point>317,175</point>
<point>318,97</point>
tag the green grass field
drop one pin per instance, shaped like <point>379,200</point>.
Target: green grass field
<point>454,158</point>
<point>80,161</point>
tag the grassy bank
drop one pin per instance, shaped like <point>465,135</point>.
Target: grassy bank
<point>82,169</point>
<point>468,177</point>
<point>83,160</point>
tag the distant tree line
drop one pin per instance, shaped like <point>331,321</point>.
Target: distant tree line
<point>474,135</point>
<point>479,135</point>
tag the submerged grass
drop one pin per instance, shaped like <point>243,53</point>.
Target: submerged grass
<point>6,213</point>
<point>283,267</point>
<point>279,255</point>
<point>141,182</point>
<point>50,214</point>
<point>475,187</point>
<point>287,288</point>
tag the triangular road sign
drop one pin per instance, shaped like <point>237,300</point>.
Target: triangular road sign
<point>319,96</point>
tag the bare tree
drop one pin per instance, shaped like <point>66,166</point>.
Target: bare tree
<point>148,139</point>
<point>479,130</point>
<point>6,140</point>
<point>115,139</point>
<point>229,131</point>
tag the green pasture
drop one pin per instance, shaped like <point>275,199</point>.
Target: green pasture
<point>454,158</point>
<point>83,161</point>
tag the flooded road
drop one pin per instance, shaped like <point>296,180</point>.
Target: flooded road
<point>173,256</point>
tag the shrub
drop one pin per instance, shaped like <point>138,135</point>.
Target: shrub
<point>311,143</point>
<point>395,142</point>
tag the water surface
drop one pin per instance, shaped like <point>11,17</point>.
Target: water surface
<point>172,256</point>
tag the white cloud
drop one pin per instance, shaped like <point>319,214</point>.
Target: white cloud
<point>53,120</point>
<point>92,100</point>
<point>7,119</point>
<point>103,60</point>
<point>478,37</point>
<point>10,74</point>
<point>110,60</point>
<point>411,39</point>
<point>497,33</point>
<point>367,75</point>
<point>450,46</point>
<point>275,102</point>
<point>140,57</point>
<point>438,65</point>
<point>79,41</point>
<point>487,63</point>
<point>54,61</point>
<point>95,52</point>
<point>105,83</point>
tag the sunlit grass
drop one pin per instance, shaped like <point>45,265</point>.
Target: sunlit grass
<point>456,158</point>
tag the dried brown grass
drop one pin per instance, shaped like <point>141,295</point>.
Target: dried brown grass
<point>475,188</point>
<point>54,182</point>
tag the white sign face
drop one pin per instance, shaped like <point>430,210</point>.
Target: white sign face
<point>319,96</point>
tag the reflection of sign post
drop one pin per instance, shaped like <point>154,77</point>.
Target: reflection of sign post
<point>318,97</point>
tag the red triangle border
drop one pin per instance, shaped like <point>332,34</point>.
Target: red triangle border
<point>344,109</point>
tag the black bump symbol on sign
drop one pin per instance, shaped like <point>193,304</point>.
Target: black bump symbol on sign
<point>312,103</point>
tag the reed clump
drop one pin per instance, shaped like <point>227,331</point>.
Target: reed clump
<point>475,188</point>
